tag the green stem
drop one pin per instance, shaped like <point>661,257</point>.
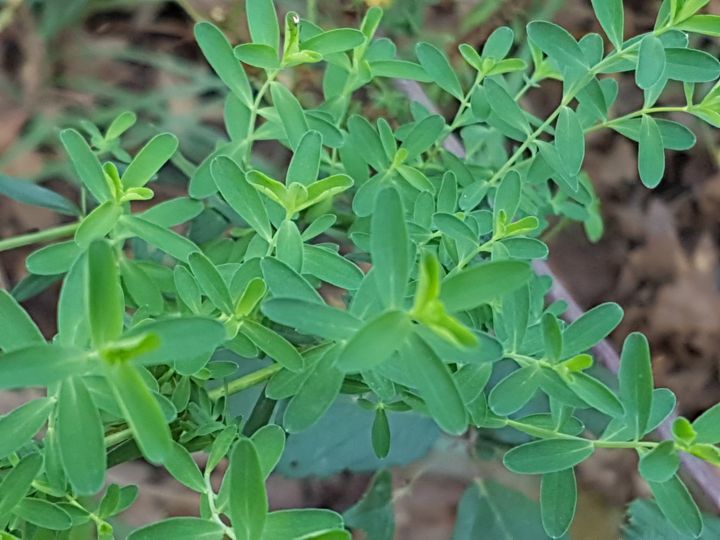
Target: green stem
<point>213,507</point>
<point>100,522</point>
<point>272,75</point>
<point>529,83</point>
<point>465,102</point>
<point>623,444</point>
<point>474,253</point>
<point>40,236</point>
<point>550,434</point>
<point>117,437</point>
<point>641,112</point>
<point>245,382</point>
<point>312,10</point>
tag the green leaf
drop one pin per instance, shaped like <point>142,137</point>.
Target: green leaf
<point>552,337</point>
<point>331,267</point>
<point>312,318</point>
<point>289,245</point>
<point>17,482</point>
<point>559,45</point>
<point>80,433</point>
<point>558,501</point>
<point>149,160</point>
<point>173,212</point>
<point>389,248</point>
<point>491,510</point>
<point>258,55</point>
<point>675,136</point>
<point>375,341</point>
<point>162,238</point>
<point>508,195</point>
<point>210,281</point>
<point>596,394</point>
<point>690,65</point>
<point>436,65</point>
<point>399,69</point>
<point>316,395</point>
<point>636,382</point>
<point>180,528</point>
<point>263,23</point>
<point>284,282</point>
<point>423,135</point>
<point>141,411</point>
<point>436,385</point>
<point>702,24</point>
<point>499,43</point>
<point>240,195</point>
<point>17,329</point>
<point>53,259</point>
<point>219,54</point>
<point>651,154</point>
<point>663,404</point>
<point>27,192</point>
<point>591,328</point>
<point>300,523</point>
<point>273,344</point>
<point>661,463</point>
<point>363,135</point>
<point>326,188</point>
<point>40,365</point>
<point>273,189</point>
<point>505,107</point>
<point>374,513</point>
<point>269,441</point>
<point>548,455</point>
<point>86,165</point>
<point>453,227</point>
<point>180,464</point>
<point>481,284</point>
<point>334,41</point>
<point>305,163</point>
<point>97,223</point>
<point>120,124</point>
<point>645,520</point>
<point>381,434</point>
<point>291,114</point>
<point>570,141</point>
<point>106,305</point>
<point>253,293</point>
<point>514,391</point>
<point>20,425</point>
<point>611,15</point>
<point>707,425</point>
<point>247,501</point>
<point>651,62</point>
<point>677,505</point>
<point>44,514</point>
<point>220,447</point>
<point>141,288</point>
<point>508,66</point>
<point>178,344</point>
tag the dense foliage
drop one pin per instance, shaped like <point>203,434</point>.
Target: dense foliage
<point>380,265</point>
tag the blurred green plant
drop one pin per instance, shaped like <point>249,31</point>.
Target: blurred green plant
<point>440,314</point>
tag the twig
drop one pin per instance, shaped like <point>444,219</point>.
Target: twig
<point>39,236</point>
<point>703,474</point>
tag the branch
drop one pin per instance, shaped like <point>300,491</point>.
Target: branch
<point>705,476</point>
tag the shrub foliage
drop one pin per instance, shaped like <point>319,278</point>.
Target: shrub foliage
<point>377,264</point>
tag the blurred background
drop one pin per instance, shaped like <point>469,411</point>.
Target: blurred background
<point>63,61</point>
